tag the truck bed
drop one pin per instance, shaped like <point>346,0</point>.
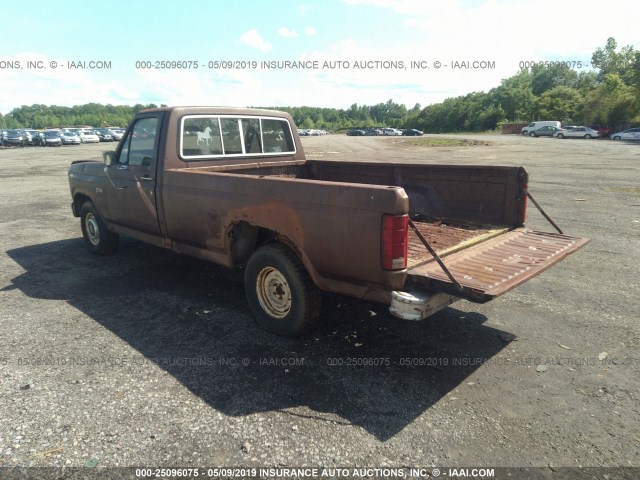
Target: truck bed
<point>472,216</point>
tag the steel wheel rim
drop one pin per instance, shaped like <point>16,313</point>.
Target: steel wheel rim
<point>93,232</point>
<point>274,293</point>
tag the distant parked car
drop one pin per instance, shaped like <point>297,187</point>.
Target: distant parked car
<point>541,123</point>
<point>117,133</point>
<point>629,134</point>
<point>374,132</point>
<point>52,138</point>
<point>356,132</point>
<point>70,138</point>
<point>412,132</point>
<point>87,136</point>
<point>15,137</point>
<point>30,135</point>
<point>603,130</point>
<point>577,132</point>
<point>38,139</point>
<point>393,132</point>
<point>546,131</point>
<point>104,135</point>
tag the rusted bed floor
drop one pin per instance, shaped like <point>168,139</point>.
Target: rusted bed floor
<point>445,239</point>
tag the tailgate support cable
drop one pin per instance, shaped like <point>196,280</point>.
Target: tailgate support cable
<point>434,254</point>
<point>544,214</point>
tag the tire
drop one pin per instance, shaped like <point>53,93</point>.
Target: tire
<point>560,136</point>
<point>616,138</point>
<point>99,239</point>
<point>587,136</point>
<point>532,134</point>
<point>281,295</point>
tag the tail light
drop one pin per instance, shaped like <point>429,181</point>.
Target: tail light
<point>394,241</point>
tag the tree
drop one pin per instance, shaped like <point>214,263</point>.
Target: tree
<point>546,77</point>
<point>560,103</point>
<point>623,63</point>
<point>612,102</point>
<point>515,97</point>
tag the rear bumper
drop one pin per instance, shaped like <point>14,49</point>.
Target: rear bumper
<point>418,304</point>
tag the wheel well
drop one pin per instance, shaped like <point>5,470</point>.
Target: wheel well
<point>78,201</point>
<point>246,239</point>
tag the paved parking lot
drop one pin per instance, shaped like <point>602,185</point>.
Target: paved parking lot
<point>147,358</point>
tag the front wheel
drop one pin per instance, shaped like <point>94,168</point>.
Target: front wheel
<point>616,138</point>
<point>281,295</point>
<point>532,134</point>
<point>587,136</point>
<point>98,238</point>
<point>560,135</point>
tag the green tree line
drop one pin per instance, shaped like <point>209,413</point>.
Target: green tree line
<point>93,114</point>
<point>608,94</point>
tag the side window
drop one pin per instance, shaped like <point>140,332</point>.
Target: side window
<point>140,143</point>
<point>231,140</point>
<point>277,136</point>
<point>252,137</point>
<point>123,158</point>
<point>201,136</point>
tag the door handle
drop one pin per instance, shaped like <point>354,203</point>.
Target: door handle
<point>146,178</point>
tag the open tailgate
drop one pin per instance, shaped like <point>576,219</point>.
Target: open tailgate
<point>493,267</point>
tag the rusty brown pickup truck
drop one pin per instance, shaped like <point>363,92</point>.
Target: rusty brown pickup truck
<point>232,186</point>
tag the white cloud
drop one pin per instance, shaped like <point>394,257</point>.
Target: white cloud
<point>514,28</point>
<point>286,33</point>
<point>254,39</point>
<point>58,86</point>
<point>231,87</point>
<point>310,31</point>
<point>504,32</point>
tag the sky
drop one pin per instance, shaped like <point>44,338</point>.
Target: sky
<point>354,51</point>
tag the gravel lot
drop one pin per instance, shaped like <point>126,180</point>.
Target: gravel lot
<point>150,359</point>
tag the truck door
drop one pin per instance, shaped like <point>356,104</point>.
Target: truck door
<point>132,177</point>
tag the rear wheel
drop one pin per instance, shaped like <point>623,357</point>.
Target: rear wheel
<point>587,136</point>
<point>98,238</point>
<point>616,138</point>
<point>560,135</point>
<point>282,296</point>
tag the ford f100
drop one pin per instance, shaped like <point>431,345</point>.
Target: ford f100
<point>233,186</point>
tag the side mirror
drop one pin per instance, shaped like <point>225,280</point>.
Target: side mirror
<point>109,157</point>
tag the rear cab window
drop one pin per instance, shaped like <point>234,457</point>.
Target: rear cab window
<point>215,136</point>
